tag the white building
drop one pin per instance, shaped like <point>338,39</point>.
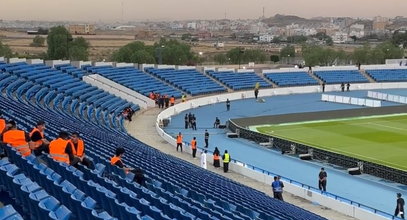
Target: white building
<point>357,30</point>
<point>340,37</point>
<point>265,38</point>
<point>191,25</point>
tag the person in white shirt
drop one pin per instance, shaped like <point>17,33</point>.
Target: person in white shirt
<point>203,159</point>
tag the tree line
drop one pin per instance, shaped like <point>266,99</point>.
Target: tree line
<point>61,45</point>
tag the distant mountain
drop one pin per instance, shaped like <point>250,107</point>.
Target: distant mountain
<point>284,20</point>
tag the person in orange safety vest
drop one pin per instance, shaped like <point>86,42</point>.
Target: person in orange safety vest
<point>78,150</point>
<point>17,139</point>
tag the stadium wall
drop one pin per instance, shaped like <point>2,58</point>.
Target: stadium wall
<point>119,90</point>
<point>342,205</point>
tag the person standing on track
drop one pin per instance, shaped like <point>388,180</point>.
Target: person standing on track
<point>179,141</point>
<point>322,180</point>
<point>206,138</point>
<point>193,147</point>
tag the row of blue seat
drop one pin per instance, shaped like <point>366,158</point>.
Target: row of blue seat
<point>341,76</point>
<point>136,80</point>
<point>238,81</point>
<point>190,81</point>
<point>388,75</point>
<point>291,79</point>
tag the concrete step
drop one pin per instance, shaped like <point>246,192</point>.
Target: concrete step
<point>363,72</point>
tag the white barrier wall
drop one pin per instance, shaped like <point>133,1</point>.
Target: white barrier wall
<point>328,201</point>
<point>79,64</point>
<point>1,59</point>
<point>103,64</point>
<point>145,65</point>
<point>383,67</point>
<point>351,100</point>
<point>387,97</point>
<point>286,70</point>
<point>52,63</point>
<point>330,68</point>
<point>186,68</point>
<point>16,60</point>
<point>35,61</point>
<point>124,65</point>
<point>164,66</point>
<point>119,90</point>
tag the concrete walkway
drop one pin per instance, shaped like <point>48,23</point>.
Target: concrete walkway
<point>143,128</point>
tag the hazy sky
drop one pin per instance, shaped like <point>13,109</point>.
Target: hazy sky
<point>111,10</point>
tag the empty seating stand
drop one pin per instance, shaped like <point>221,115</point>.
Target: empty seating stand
<point>55,89</point>
<point>190,81</point>
<point>291,79</point>
<point>62,192</point>
<point>341,76</point>
<point>135,79</point>
<point>239,81</point>
<point>388,75</point>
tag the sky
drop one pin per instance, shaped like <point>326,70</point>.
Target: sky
<point>142,10</point>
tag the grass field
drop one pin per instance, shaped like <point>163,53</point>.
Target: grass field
<point>379,139</point>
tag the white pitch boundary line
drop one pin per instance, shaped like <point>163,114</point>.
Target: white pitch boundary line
<point>387,126</point>
<point>345,152</point>
<point>329,120</point>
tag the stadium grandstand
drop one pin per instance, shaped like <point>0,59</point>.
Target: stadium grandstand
<point>62,94</point>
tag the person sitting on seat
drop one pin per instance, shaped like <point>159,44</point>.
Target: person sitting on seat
<point>78,150</point>
<point>16,138</point>
<point>60,149</point>
<point>116,160</point>
<point>38,142</point>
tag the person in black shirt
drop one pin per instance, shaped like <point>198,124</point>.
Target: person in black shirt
<point>186,119</point>
<point>322,179</point>
<point>400,206</point>
<point>206,138</point>
<point>347,86</point>
<point>227,105</point>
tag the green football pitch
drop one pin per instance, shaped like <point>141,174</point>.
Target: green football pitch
<point>378,139</point>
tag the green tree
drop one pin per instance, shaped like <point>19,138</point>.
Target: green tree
<point>274,58</point>
<point>174,52</point>
<point>361,55</point>
<point>141,56</point>
<point>400,39</point>
<point>5,50</point>
<point>220,58</point>
<point>78,49</point>
<point>58,41</point>
<point>297,39</point>
<point>124,53</point>
<point>287,51</point>
<point>311,55</point>
<point>390,51</point>
<point>38,41</point>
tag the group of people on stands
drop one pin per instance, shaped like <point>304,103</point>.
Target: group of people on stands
<point>66,148</point>
<point>128,113</point>
<point>163,101</point>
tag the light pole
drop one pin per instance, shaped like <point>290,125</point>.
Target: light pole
<point>159,54</point>
<point>200,57</point>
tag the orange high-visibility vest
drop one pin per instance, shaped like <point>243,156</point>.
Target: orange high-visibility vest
<point>193,144</point>
<point>216,157</point>
<point>151,96</point>
<point>114,159</point>
<point>2,125</point>
<point>16,138</point>
<point>39,142</point>
<point>80,150</point>
<point>179,139</point>
<point>172,100</point>
<point>57,150</point>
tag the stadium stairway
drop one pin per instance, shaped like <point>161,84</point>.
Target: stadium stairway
<point>367,76</point>
<point>172,189</point>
